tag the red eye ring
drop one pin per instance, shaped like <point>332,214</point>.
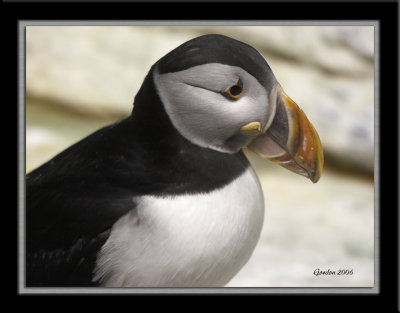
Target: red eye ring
<point>235,91</point>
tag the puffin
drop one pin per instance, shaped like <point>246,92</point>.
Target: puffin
<point>166,196</point>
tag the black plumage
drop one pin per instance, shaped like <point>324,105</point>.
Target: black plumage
<point>73,200</point>
<point>166,156</point>
<point>220,49</point>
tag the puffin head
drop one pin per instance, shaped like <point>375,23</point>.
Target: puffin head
<point>220,94</point>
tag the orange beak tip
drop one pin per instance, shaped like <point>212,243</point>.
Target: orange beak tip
<point>301,150</point>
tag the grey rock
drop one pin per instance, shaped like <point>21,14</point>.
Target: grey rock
<point>328,71</point>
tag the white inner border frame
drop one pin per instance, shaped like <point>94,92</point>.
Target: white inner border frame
<point>22,24</point>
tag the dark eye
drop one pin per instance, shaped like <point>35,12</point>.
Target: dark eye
<point>235,91</point>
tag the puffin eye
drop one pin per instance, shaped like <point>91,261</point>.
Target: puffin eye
<point>235,91</point>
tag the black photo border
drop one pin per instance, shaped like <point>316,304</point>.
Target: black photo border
<point>386,13</point>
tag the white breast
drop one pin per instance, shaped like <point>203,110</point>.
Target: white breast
<point>185,240</point>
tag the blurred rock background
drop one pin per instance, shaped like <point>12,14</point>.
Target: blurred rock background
<point>79,79</point>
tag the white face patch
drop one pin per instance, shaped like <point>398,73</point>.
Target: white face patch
<point>194,101</point>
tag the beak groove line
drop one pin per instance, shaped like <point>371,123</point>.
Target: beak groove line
<point>291,141</point>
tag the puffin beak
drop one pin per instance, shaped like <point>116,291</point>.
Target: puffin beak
<point>290,140</point>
